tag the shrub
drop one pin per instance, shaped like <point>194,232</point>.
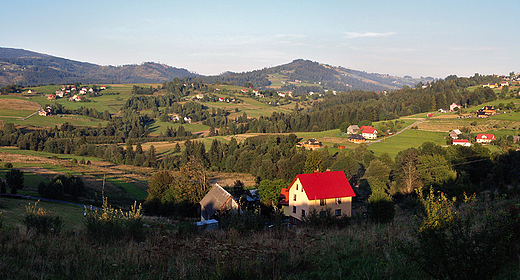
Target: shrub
<point>15,179</point>
<point>324,219</point>
<point>244,221</point>
<point>381,211</point>
<point>41,221</point>
<point>8,165</point>
<point>111,224</point>
<point>62,185</point>
<point>453,245</point>
<point>3,188</point>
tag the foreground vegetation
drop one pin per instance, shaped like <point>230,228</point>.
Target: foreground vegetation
<point>357,249</point>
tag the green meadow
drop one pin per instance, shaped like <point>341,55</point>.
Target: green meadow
<point>37,120</point>
<point>13,212</point>
<point>13,150</point>
<point>157,127</point>
<point>132,190</point>
<point>7,114</point>
<point>111,103</point>
<point>407,139</point>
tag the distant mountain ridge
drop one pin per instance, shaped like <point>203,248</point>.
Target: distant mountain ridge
<point>18,66</point>
<point>315,76</point>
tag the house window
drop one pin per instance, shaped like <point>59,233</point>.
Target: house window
<point>296,186</point>
<point>294,198</point>
<point>338,212</point>
<point>294,209</point>
<point>338,200</point>
<point>323,202</point>
<point>303,213</point>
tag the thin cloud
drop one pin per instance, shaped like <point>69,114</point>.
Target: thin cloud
<point>368,34</point>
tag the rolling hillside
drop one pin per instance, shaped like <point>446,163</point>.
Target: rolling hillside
<point>24,67</point>
<point>314,76</point>
<point>30,68</point>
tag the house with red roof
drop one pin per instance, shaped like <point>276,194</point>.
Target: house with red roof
<point>485,138</point>
<point>461,142</point>
<point>369,132</point>
<point>322,191</point>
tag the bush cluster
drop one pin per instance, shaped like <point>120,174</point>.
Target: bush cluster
<point>325,219</point>
<point>41,221</point>
<point>243,221</point>
<point>465,244</point>
<point>111,224</point>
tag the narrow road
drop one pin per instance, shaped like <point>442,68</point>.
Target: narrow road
<point>23,119</point>
<point>381,139</point>
<point>90,207</point>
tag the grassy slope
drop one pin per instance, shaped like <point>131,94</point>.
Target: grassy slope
<point>129,190</point>
<point>13,212</point>
<point>407,139</point>
<point>156,127</point>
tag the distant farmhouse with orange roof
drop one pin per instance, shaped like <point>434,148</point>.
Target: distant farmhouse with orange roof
<point>311,144</point>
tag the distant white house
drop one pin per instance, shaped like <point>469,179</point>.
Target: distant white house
<point>75,97</point>
<point>455,105</point>
<point>485,138</point>
<point>461,142</point>
<point>455,133</point>
<point>369,132</point>
<point>353,129</point>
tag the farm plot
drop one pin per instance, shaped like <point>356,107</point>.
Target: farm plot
<point>407,139</point>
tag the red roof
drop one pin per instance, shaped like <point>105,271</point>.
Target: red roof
<point>369,130</point>
<point>486,136</point>
<point>460,141</point>
<point>330,184</point>
<point>284,196</point>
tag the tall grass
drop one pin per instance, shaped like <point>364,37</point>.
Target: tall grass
<point>361,250</point>
<point>112,224</point>
<point>41,221</point>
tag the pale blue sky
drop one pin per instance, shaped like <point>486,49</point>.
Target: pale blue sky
<point>416,38</point>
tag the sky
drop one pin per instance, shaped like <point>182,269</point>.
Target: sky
<point>414,38</point>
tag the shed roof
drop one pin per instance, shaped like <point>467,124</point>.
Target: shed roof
<point>214,200</point>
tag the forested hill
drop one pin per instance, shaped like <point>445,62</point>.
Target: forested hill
<point>315,76</point>
<point>30,68</point>
<point>24,67</point>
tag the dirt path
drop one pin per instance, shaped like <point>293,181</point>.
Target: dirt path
<point>23,119</point>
